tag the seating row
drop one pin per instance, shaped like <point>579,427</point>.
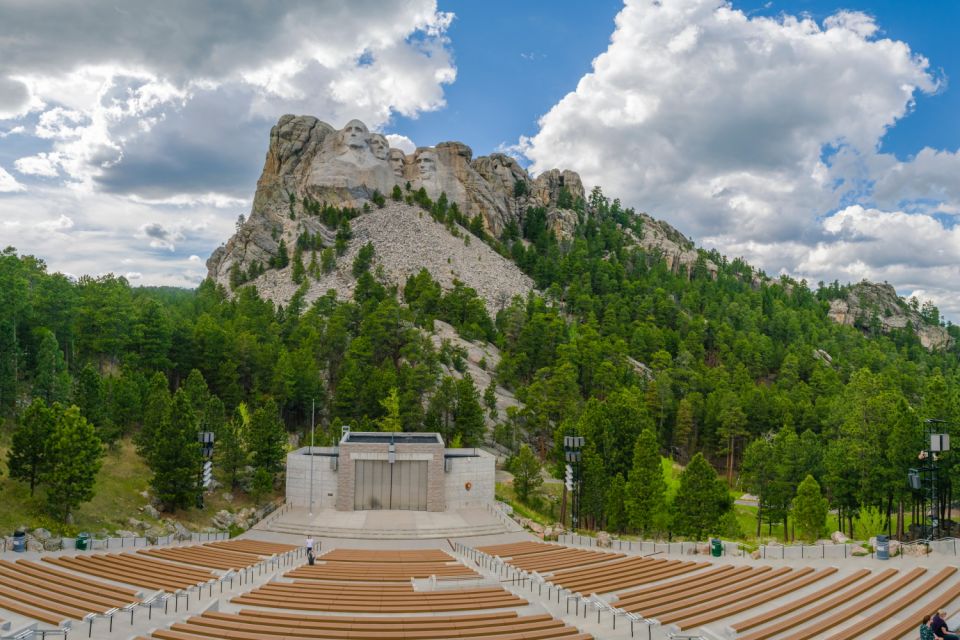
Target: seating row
<point>135,569</point>
<point>256,625</point>
<point>45,594</point>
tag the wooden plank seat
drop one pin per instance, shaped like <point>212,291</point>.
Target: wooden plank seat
<point>911,621</point>
<point>894,607</point>
<point>135,569</point>
<point>791,606</point>
<point>205,557</point>
<point>719,575</point>
<point>73,580</point>
<point>374,572</point>
<point>848,595</point>
<point>32,612</point>
<point>253,625</point>
<point>624,573</point>
<point>514,549</point>
<point>549,562</point>
<point>858,606</point>
<point>734,604</point>
<point>652,605</point>
<point>14,579</point>
<point>54,606</point>
<point>394,599</point>
<point>246,545</point>
<point>386,555</point>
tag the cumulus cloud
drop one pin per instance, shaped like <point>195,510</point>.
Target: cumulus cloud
<point>748,132</point>
<point>403,143</point>
<point>170,105</point>
<point>9,184</point>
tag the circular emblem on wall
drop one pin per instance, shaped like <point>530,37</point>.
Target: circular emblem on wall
<point>468,486</point>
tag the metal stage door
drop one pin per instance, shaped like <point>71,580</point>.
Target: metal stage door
<point>381,485</point>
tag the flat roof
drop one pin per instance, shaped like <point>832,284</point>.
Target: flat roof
<point>379,437</point>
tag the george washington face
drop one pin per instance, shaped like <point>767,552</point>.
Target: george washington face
<point>354,135</point>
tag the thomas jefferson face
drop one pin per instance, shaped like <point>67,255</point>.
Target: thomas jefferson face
<point>379,146</point>
<point>354,135</point>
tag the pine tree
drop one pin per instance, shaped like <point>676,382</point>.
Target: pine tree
<point>29,453</point>
<point>526,473</point>
<point>809,509</point>
<point>593,491</point>
<point>615,508</point>
<point>268,438</point>
<point>175,458</point>
<point>231,446</point>
<point>51,381</point>
<point>156,411</point>
<point>328,260</point>
<point>90,396</point>
<point>298,269</point>
<point>646,488</point>
<point>701,500</point>
<point>75,456</point>
<point>469,413</point>
<point>390,421</point>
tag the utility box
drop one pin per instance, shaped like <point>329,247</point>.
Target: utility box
<point>883,548</point>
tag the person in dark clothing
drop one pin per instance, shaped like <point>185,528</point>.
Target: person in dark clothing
<point>938,624</point>
<point>926,633</point>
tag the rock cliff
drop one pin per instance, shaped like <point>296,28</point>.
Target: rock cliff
<point>309,160</point>
<point>869,303</point>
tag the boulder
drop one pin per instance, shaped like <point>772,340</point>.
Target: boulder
<point>136,524</point>
<point>180,532</point>
<point>857,550</point>
<point>41,534</point>
<point>603,539</point>
<point>34,545</point>
<point>703,549</point>
<point>839,538</point>
<point>755,554</point>
<point>151,511</point>
<point>228,497</point>
<point>223,519</point>
<point>53,544</point>
<point>124,533</point>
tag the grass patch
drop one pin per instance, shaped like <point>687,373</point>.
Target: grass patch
<point>122,479</point>
<point>544,508</point>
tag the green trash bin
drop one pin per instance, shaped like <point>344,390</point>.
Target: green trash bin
<point>83,541</point>
<point>716,547</point>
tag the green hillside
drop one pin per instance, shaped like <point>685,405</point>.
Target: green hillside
<point>734,368</point>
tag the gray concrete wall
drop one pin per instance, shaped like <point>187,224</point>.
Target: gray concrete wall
<point>324,479</point>
<point>479,471</point>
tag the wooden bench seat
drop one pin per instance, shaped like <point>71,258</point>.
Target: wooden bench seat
<point>799,603</point>
<point>721,576</point>
<point>515,549</point>
<point>32,612</point>
<point>859,605</point>
<point>253,625</point>
<point>894,607</point>
<point>35,602</point>
<point>135,569</point>
<point>622,574</point>
<point>382,556</point>
<point>732,605</point>
<point>54,576</point>
<point>205,557</point>
<point>911,622</point>
<point>372,572</point>
<point>247,545</point>
<point>58,594</point>
<point>821,607</point>
<point>560,559</point>
<point>697,594</point>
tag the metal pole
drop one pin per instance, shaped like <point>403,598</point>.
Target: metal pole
<point>313,411</point>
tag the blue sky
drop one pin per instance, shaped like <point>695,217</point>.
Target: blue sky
<point>515,60</point>
<point>814,138</point>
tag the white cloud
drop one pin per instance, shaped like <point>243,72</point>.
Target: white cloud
<point>403,143</point>
<point>9,184</point>
<point>43,164</point>
<point>172,123</point>
<point>62,223</point>
<point>747,132</point>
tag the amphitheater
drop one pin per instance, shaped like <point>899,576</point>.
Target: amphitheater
<point>468,571</point>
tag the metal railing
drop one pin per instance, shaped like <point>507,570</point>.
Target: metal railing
<point>117,542</point>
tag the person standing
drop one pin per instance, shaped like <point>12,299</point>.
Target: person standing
<point>309,544</point>
<point>938,624</point>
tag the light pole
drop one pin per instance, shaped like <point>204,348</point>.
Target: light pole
<point>937,443</point>
<point>313,412</point>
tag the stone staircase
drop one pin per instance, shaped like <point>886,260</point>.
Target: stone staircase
<point>320,531</point>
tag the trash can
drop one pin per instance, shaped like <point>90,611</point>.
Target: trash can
<point>716,547</point>
<point>83,541</point>
<point>19,541</point>
<point>883,548</point>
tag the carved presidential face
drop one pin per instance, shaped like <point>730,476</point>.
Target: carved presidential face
<point>379,146</point>
<point>354,135</point>
<point>397,159</point>
<point>427,163</point>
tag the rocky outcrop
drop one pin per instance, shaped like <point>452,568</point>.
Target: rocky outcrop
<point>310,160</point>
<point>677,250</point>
<point>870,304</point>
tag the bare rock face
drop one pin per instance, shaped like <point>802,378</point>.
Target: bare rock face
<point>309,159</point>
<point>677,250</point>
<point>870,303</point>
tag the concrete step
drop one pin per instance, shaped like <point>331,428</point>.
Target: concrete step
<point>384,534</point>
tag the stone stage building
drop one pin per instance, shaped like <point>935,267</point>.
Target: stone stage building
<point>390,471</point>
